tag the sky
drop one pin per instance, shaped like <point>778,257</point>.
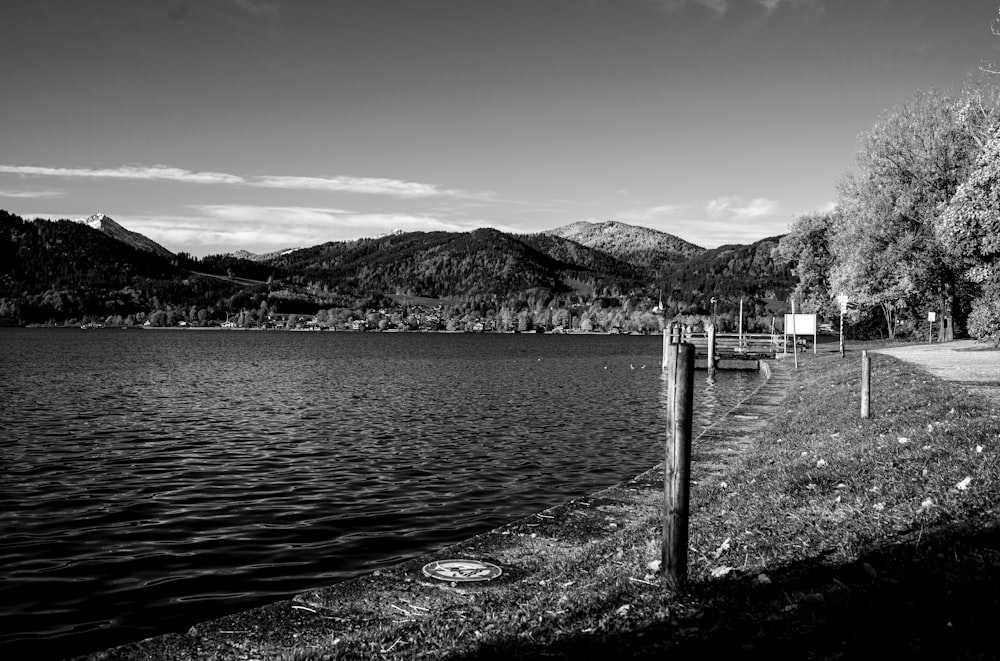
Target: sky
<point>218,125</point>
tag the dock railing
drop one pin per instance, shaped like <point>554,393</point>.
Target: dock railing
<point>732,345</point>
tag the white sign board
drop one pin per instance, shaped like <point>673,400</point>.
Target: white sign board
<point>932,316</point>
<point>800,324</point>
<point>842,300</point>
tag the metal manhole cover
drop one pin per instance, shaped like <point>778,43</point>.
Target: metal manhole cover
<point>462,570</point>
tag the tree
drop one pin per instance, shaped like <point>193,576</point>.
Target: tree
<point>807,248</point>
<point>969,229</point>
<point>910,164</point>
<point>158,318</point>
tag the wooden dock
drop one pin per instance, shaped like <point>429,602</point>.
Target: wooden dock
<point>735,351</point>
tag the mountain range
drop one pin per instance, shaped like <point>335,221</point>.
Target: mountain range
<point>59,270</point>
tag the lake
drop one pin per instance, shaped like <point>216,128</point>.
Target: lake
<point>153,479</point>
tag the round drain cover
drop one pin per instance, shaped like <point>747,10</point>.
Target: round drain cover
<point>462,570</point>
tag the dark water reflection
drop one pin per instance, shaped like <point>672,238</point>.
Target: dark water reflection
<point>154,479</point>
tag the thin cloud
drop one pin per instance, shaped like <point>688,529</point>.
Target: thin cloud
<point>131,172</point>
<point>722,7</point>
<point>770,6</point>
<point>259,215</point>
<point>649,214</point>
<point>365,185</point>
<point>737,209</point>
<point>670,6</point>
<point>712,233</point>
<point>341,184</point>
<point>230,227</point>
<point>29,194</point>
<point>718,6</point>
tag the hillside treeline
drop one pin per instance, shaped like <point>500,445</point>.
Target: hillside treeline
<point>64,272</point>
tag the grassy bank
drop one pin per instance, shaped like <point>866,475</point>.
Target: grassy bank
<point>831,537</point>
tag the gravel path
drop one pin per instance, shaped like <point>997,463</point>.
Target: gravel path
<point>962,361</point>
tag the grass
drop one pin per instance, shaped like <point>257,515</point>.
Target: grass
<point>831,537</point>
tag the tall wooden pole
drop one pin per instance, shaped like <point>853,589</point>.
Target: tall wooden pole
<point>711,350</point>
<point>677,469</point>
<point>866,385</point>
<point>741,321</point>
<point>666,344</point>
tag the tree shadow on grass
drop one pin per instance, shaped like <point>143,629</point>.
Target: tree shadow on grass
<point>936,596</point>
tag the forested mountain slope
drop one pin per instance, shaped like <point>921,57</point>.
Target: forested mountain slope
<point>643,246</point>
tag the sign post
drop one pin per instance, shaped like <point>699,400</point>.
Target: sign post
<point>800,323</point>
<point>931,318</point>
<point>795,346</point>
<point>842,299</point>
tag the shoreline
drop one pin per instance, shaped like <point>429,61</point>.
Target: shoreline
<point>381,604</point>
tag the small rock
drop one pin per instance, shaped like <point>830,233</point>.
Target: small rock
<point>964,484</point>
<point>763,579</point>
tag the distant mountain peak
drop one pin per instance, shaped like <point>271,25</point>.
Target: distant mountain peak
<point>631,243</point>
<point>105,223</point>
<point>97,220</point>
<point>261,257</point>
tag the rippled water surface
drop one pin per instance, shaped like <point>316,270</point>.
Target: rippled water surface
<point>154,479</point>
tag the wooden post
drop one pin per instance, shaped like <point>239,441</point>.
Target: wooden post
<point>711,350</point>
<point>841,333</point>
<point>741,321</point>
<point>866,385</point>
<point>677,469</point>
